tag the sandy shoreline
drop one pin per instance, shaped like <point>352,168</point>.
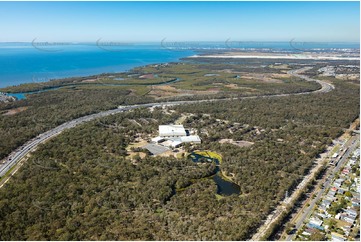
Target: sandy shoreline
<point>288,56</point>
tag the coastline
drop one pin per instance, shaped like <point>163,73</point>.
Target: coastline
<point>78,61</point>
<point>40,86</point>
<point>287,56</point>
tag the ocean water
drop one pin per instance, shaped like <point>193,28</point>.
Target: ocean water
<point>22,63</point>
<point>42,61</point>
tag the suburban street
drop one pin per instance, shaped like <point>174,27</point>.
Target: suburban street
<point>306,211</point>
<point>17,155</point>
<point>303,214</point>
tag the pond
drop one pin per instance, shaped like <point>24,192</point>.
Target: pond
<point>224,187</point>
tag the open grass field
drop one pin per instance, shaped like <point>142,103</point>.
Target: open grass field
<point>209,154</point>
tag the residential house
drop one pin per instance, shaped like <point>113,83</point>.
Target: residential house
<point>345,171</point>
<point>351,212</point>
<point>346,229</point>
<point>355,202</point>
<point>338,182</point>
<point>316,221</point>
<point>334,189</point>
<point>349,219</point>
<point>341,191</point>
<point>321,215</point>
<point>337,237</point>
<point>326,203</point>
<point>311,225</point>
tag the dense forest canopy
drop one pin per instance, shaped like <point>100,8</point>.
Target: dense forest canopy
<point>25,119</point>
<point>82,185</point>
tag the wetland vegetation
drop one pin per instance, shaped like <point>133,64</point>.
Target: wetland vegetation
<point>70,98</point>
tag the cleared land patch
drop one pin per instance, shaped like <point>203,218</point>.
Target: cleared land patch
<point>14,111</point>
<point>240,143</point>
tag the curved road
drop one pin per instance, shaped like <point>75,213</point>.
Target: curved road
<point>17,155</point>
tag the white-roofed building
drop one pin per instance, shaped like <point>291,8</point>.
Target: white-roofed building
<point>171,136</point>
<point>172,143</point>
<point>316,221</point>
<point>171,131</point>
<point>157,139</point>
<point>176,144</point>
<point>191,139</point>
<point>167,143</point>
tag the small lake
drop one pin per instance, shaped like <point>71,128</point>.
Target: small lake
<point>224,187</point>
<point>21,95</point>
<point>18,96</point>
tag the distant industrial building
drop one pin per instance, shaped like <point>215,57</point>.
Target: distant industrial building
<point>173,136</point>
<point>167,131</point>
<point>158,139</point>
<point>191,139</point>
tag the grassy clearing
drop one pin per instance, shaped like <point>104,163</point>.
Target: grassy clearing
<point>337,147</point>
<point>219,197</point>
<point>210,154</point>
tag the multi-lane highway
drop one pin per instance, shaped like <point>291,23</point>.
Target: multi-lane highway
<point>21,152</point>
<point>325,87</point>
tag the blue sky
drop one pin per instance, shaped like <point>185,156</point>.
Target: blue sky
<point>180,21</point>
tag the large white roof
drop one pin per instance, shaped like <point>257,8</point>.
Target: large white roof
<point>191,138</point>
<point>172,130</point>
<point>157,139</point>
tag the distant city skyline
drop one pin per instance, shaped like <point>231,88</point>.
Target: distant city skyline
<point>179,21</point>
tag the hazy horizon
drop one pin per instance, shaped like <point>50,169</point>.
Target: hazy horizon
<point>195,41</point>
<point>180,21</point>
